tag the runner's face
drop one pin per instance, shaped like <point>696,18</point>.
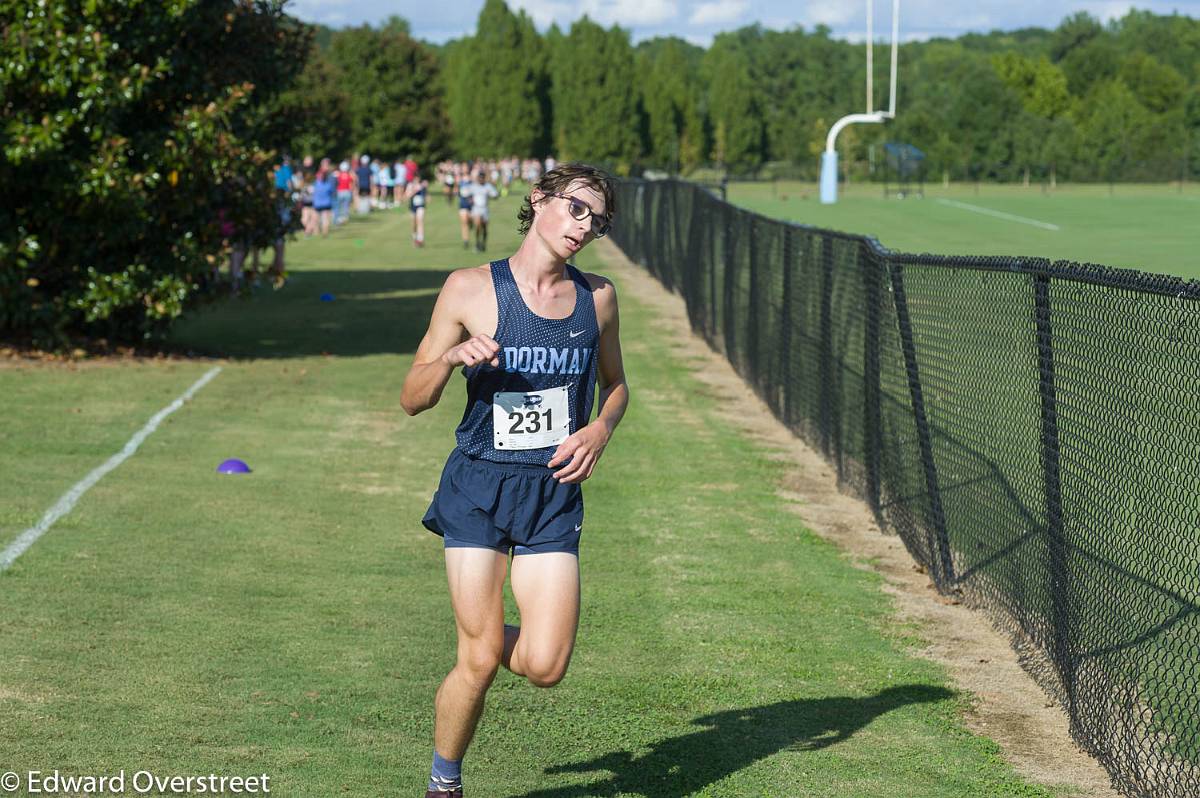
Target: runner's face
<point>554,222</point>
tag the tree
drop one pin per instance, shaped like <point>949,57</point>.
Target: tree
<point>733,105</point>
<point>320,108</point>
<point>130,128</point>
<point>670,99</point>
<point>1091,63</point>
<point>595,106</point>
<point>1041,85</point>
<point>1112,129</point>
<point>1157,86</point>
<point>498,94</point>
<point>391,81</point>
<point>1074,32</point>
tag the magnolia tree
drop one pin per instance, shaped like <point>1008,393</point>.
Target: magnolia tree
<point>138,138</point>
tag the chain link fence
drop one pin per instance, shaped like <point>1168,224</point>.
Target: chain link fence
<point>1031,430</point>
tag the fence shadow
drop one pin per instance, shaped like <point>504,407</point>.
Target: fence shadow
<point>735,739</point>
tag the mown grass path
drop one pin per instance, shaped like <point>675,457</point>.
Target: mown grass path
<point>295,621</point>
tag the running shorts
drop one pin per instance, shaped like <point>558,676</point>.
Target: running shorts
<point>506,507</point>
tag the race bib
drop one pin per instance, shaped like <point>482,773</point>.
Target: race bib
<point>418,200</point>
<point>530,419</point>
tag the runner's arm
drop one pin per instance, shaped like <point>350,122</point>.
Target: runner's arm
<point>585,446</point>
<point>614,391</point>
<point>444,348</point>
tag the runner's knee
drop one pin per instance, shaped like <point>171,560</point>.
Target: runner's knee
<point>545,671</point>
<point>479,663</point>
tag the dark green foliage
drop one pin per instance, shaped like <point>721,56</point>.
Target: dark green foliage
<point>497,93</point>
<point>595,103</point>
<point>127,126</point>
<point>321,106</point>
<point>734,104</point>
<point>671,94</point>
<point>390,81</point>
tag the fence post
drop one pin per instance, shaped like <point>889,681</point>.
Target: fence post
<point>942,566</point>
<point>1052,480</point>
<point>872,412</point>
<point>825,409</point>
<point>787,321</point>
<point>711,265</point>
<point>729,289</point>
<point>754,374</point>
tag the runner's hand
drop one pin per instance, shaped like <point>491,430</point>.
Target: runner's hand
<point>583,449</point>
<point>477,349</point>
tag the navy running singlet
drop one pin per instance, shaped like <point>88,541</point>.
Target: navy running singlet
<point>543,389</point>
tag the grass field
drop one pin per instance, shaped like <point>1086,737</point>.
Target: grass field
<point>1153,228</point>
<point>295,621</point>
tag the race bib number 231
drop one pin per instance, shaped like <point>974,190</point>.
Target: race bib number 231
<point>530,419</point>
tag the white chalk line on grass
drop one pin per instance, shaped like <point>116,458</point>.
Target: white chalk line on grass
<point>67,502</point>
<point>1012,217</point>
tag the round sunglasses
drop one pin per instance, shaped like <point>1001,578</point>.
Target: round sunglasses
<point>580,210</point>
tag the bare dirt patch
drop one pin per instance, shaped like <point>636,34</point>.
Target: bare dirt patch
<point>1009,707</point>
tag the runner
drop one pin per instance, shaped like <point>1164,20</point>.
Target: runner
<point>345,192</point>
<point>366,184</point>
<point>480,191</point>
<point>534,336</point>
<point>418,191</point>
<point>324,195</point>
<point>446,173</point>
<point>308,217</point>
<point>410,169</point>
<point>464,206</point>
<point>383,194</point>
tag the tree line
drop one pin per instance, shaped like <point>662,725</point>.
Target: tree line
<point>1084,101</point>
<point>138,136</point>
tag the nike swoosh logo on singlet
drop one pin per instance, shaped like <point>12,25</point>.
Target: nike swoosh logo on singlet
<point>581,332</point>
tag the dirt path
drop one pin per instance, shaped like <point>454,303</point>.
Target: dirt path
<point>1010,708</point>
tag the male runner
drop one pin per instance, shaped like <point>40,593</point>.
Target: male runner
<point>418,191</point>
<point>534,337</point>
<point>480,191</point>
<point>464,205</point>
<point>366,184</point>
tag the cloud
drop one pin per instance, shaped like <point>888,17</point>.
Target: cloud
<point>327,12</point>
<point>628,13</point>
<point>834,13</point>
<point>719,12</point>
<point>545,12</point>
<point>1107,12</point>
<point>699,19</point>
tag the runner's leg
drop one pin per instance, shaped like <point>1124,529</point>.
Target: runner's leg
<point>476,577</point>
<point>546,587</point>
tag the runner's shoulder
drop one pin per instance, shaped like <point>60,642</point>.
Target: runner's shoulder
<point>604,293</point>
<point>468,285</point>
<point>600,285</point>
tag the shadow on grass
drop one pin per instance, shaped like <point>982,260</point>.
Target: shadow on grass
<point>372,313</point>
<point>735,739</point>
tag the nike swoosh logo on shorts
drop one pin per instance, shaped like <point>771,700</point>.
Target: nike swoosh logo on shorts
<point>578,527</point>
<point>576,333</point>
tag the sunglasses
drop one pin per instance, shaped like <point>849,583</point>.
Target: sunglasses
<point>580,210</point>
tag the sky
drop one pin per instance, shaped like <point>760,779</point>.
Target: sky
<point>699,20</point>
